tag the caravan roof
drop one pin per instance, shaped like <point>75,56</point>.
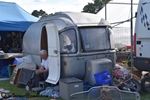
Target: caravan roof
<point>77,18</point>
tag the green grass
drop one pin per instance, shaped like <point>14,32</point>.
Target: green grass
<point>21,91</point>
<point>145,96</point>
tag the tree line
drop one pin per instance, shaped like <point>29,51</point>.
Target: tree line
<point>94,8</point>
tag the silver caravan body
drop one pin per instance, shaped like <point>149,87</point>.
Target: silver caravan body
<point>73,40</point>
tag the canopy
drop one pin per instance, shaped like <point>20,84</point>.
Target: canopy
<point>118,13</point>
<point>14,18</point>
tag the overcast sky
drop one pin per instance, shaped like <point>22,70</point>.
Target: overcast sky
<point>51,6</point>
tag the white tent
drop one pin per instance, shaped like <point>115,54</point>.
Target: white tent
<point>119,11</point>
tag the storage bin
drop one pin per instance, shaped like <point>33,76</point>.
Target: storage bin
<point>68,86</point>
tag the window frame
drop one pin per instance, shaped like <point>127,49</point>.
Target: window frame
<point>75,39</point>
<point>82,41</point>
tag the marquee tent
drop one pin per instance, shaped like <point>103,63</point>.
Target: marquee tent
<point>118,13</point>
<point>14,18</point>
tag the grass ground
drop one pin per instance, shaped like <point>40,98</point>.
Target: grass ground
<point>21,91</point>
<point>145,96</point>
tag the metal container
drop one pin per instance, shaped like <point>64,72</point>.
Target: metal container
<point>95,66</point>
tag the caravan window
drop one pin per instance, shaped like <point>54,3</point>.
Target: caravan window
<point>94,38</point>
<point>68,42</point>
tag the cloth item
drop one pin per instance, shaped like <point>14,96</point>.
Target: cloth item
<point>50,92</point>
<point>27,88</point>
<point>45,63</point>
<point>25,62</point>
<point>47,92</point>
<point>120,72</point>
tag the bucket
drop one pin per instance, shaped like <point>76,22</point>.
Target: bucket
<point>103,78</point>
<point>10,70</point>
<point>128,47</point>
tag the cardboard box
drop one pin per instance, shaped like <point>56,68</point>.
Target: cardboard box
<point>68,86</point>
<point>15,76</point>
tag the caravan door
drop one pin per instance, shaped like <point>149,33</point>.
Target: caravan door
<point>53,53</point>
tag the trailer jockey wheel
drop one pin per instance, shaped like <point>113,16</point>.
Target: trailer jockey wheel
<point>131,85</point>
<point>145,84</point>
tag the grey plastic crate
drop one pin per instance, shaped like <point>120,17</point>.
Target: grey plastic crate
<point>68,86</point>
<point>96,66</point>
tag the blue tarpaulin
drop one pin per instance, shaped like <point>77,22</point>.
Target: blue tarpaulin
<point>14,18</point>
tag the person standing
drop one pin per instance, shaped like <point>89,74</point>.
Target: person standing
<point>8,43</point>
<point>1,43</point>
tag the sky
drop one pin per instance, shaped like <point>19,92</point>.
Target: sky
<point>51,6</point>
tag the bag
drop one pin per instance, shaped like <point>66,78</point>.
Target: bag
<point>32,81</point>
<point>120,72</point>
<point>103,78</point>
<point>25,62</point>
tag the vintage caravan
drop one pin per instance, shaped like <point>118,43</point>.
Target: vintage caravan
<point>78,45</point>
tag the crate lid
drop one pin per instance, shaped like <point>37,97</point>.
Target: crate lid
<point>70,80</point>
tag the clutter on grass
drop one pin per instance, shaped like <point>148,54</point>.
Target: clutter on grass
<point>120,72</point>
<point>50,92</point>
<point>25,62</point>
<point>101,78</point>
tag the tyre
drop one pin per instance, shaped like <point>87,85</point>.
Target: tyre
<point>131,85</point>
<point>145,84</point>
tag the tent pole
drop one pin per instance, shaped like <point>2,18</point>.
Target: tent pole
<point>105,11</point>
<point>131,34</point>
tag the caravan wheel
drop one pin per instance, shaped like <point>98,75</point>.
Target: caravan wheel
<point>131,85</point>
<point>145,83</point>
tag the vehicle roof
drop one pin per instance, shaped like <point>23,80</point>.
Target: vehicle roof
<point>77,18</point>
